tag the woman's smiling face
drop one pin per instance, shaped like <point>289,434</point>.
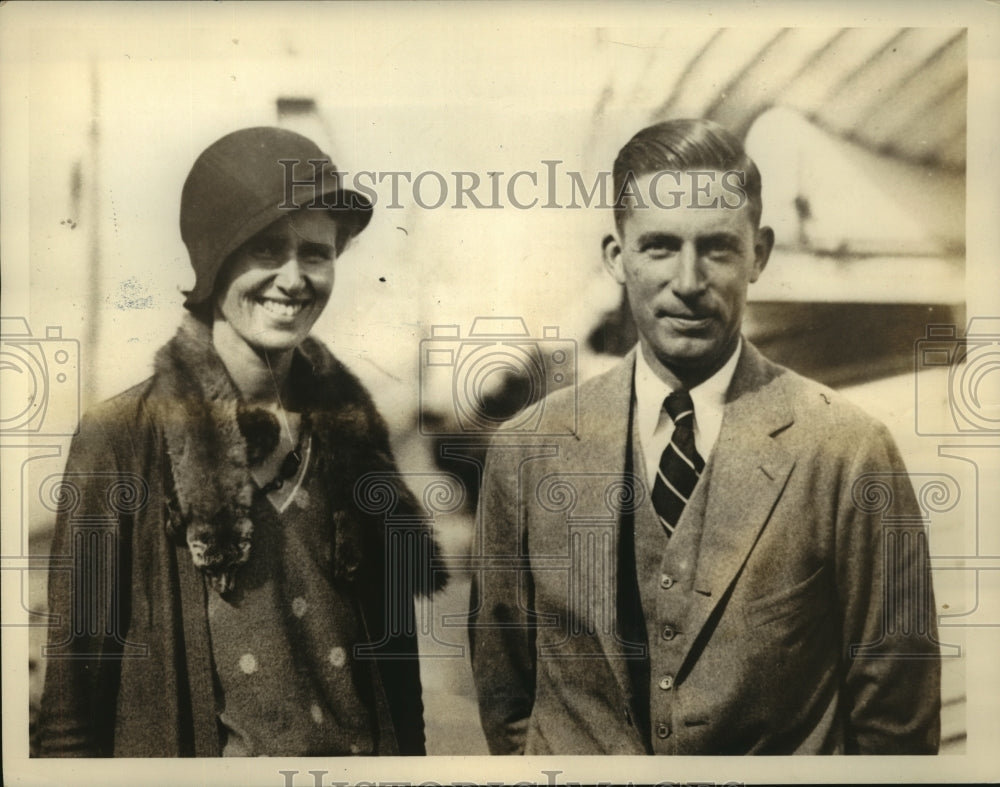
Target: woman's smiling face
<point>274,287</point>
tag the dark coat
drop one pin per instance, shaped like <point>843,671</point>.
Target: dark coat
<point>802,618</point>
<point>129,670</point>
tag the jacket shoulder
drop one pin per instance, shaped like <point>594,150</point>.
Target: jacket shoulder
<point>339,389</point>
<point>594,395</point>
<point>825,417</point>
<point>118,416</point>
<point>813,400</point>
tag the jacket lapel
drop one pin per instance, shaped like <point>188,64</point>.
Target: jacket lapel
<point>605,416</point>
<point>748,474</point>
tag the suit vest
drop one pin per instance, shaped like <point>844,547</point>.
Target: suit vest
<point>656,575</point>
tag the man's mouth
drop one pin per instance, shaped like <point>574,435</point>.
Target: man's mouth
<point>690,322</point>
<point>280,308</point>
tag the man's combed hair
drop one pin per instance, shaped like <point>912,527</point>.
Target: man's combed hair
<point>684,144</point>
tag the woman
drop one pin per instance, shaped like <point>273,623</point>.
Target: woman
<point>251,603</point>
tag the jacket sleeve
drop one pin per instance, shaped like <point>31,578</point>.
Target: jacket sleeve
<point>86,576</point>
<point>501,634</point>
<point>893,672</point>
<point>401,553</point>
<point>400,678</point>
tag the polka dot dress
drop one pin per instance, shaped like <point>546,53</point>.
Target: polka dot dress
<point>283,642</point>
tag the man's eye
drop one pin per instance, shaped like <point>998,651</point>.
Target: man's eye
<point>719,248</point>
<point>723,256</point>
<point>659,248</point>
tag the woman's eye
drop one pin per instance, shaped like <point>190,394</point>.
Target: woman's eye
<point>266,250</point>
<point>316,253</point>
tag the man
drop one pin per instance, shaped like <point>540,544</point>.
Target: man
<point>231,589</point>
<point>702,566</point>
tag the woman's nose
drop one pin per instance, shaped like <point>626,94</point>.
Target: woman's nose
<point>289,276</point>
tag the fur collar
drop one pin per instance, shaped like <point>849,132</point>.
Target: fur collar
<point>206,426</point>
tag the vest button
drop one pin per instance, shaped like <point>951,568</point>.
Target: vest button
<point>662,730</point>
<point>669,632</point>
<point>666,581</point>
<point>667,682</point>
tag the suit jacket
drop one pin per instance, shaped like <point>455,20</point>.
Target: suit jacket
<point>806,618</point>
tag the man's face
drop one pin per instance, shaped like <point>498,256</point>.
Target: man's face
<point>274,286</point>
<point>686,270</point>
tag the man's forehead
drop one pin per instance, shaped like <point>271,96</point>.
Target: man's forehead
<point>699,185</point>
<point>690,200</point>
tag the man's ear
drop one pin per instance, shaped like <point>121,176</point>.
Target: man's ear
<point>611,249</point>
<point>763,244</point>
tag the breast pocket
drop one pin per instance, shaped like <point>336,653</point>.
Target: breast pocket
<point>806,600</point>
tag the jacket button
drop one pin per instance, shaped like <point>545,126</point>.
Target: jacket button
<point>667,682</point>
<point>662,730</point>
<point>666,581</point>
<point>669,632</point>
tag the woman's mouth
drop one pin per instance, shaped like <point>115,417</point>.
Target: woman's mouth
<point>281,308</point>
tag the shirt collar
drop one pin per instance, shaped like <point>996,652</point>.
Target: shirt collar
<point>708,397</point>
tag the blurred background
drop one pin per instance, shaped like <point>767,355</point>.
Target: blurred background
<point>860,134</point>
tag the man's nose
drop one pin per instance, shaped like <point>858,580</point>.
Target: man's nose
<point>687,280</point>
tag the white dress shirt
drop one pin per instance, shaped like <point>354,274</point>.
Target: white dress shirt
<point>655,426</point>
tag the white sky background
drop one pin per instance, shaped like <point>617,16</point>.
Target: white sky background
<point>402,87</point>
<point>393,100</point>
<point>481,93</point>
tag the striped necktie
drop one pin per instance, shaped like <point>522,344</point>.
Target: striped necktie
<point>680,465</point>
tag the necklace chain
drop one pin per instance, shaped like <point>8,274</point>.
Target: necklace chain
<point>277,395</point>
<point>293,459</point>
